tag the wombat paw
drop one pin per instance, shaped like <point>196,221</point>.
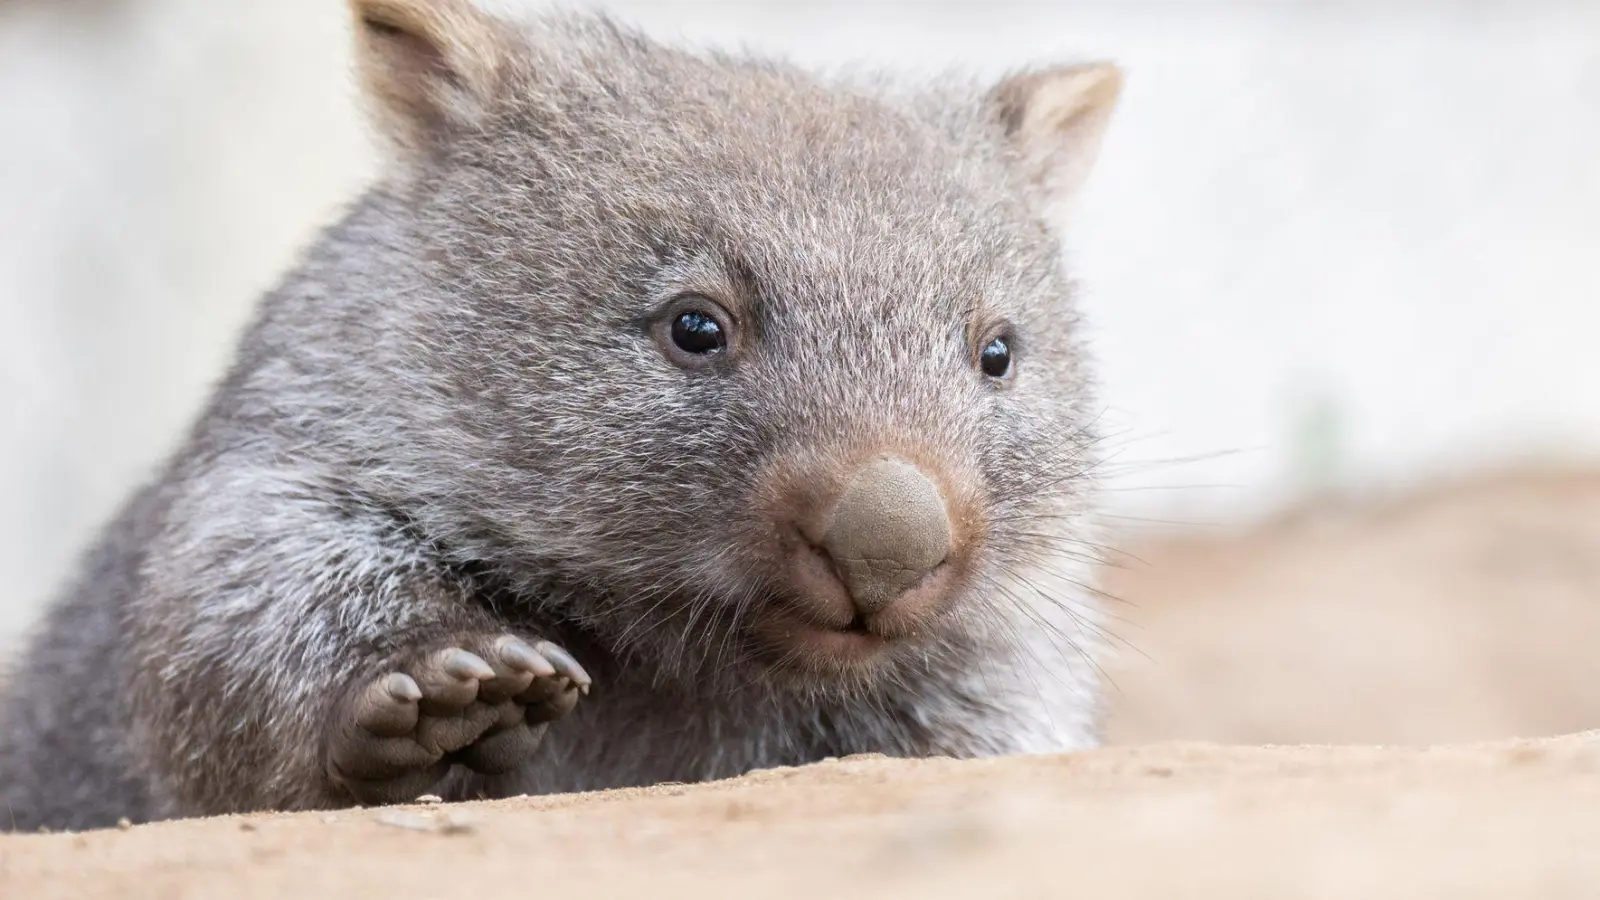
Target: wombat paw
<point>486,708</point>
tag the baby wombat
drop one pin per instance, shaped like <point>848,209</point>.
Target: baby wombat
<point>657,416</point>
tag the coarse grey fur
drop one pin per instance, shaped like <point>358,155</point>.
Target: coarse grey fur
<point>449,420</point>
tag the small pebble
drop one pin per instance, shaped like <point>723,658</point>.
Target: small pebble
<point>430,798</point>
<point>439,824</point>
<point>405,820</point>
<point>123,824</point>
<point>247,826</point>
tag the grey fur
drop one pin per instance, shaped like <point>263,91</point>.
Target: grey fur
<point>448,420</point>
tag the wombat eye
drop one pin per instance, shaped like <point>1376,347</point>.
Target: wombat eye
<point>995,360</point>
<point>694,331</point>
<point>697,333</point>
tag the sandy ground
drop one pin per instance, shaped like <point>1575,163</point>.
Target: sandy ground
<point>1458,618</point>
<point>1503,821</point>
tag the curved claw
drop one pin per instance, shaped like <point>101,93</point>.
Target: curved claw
<point>565,664</point>
<point>403,687</point>
<point>517,654</point>
<point>466,666</point>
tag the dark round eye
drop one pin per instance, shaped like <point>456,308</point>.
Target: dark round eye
<point>698,333</point>
<point>995,360</point>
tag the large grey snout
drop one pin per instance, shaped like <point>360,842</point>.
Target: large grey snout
<point>888,529</point>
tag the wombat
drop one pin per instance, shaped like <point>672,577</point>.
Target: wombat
<point>657,415</point>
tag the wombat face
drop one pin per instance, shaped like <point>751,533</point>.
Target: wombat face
<point>778,371</point>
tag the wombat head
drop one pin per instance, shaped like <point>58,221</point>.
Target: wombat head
<point>731,362</point>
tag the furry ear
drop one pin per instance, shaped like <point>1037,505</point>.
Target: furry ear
<point>1054,120</point>
<point>426,66</point>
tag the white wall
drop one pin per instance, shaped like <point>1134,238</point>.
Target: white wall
<point>1328,243</point>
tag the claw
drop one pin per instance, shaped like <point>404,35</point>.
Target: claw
<point>516,653</point>
<point>463,665</point>
<point>565,664</point>
<point>388,706</point>
<point>403,687</point>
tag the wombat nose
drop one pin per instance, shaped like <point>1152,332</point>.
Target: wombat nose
<point>887,530</point>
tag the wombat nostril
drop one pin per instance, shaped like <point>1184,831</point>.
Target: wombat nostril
<point>888,529</point>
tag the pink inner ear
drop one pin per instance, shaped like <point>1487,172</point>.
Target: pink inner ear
<point>414,52</point>
<point>421,68</point>
<point>1013,97</point>
<point>1055,119</point>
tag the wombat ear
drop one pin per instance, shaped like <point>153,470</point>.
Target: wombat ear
<point>426,66</point>
<point>1054,120</point>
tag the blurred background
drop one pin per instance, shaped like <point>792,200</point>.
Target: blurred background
<point>1341,262</point>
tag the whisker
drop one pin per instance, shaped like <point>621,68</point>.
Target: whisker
<point>1065,606</point>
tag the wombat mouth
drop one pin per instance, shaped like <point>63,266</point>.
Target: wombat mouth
<point>793,642</point>
<point>798,636</point>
